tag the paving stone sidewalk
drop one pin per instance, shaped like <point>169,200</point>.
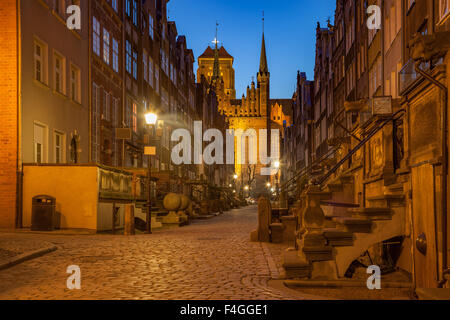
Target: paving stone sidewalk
<point>12,247</point>
<point>211,259</point>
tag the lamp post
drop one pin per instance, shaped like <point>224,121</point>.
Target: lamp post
<point>277,165</point>
<point>150,119</point>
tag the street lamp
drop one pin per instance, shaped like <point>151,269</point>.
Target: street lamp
<point>268,184</point>
<point>150,119</point>
<point>235,176</point>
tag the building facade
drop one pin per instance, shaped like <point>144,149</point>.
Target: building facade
<point>255,111</point>
<point>385,179</point>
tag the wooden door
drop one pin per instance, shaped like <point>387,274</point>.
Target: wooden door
<point>423,207</point>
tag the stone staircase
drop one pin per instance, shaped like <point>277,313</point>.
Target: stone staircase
<point>334,231</point>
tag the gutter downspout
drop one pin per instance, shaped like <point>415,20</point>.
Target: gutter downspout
<point>19,166</point>
<point>444,184</point>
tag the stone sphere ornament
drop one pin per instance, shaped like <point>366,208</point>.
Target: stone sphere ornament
<point>185,201</point>
<point>172,201</point>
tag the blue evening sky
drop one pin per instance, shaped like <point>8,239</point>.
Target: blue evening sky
<point>290,30</point>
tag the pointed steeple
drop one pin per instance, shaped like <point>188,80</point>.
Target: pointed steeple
<point>263,62</point>
<point>263,68</point>
<point>216,68</point>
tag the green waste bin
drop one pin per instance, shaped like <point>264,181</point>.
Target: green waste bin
<point>43,217</point>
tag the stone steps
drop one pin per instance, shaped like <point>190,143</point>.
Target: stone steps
<point>318,253</point>
<point>294,266</point>
<point>372,213</point>
<point>355,225</point>
<point>338,238</point>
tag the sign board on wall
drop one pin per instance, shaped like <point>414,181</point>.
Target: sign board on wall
<point>150,151</point>
<point>382,105</point>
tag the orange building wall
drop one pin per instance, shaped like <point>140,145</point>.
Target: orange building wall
<point>8,111</point>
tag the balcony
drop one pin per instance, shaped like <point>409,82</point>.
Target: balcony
<point>408,75</point>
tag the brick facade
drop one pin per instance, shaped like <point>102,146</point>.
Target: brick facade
<point>8,110</point>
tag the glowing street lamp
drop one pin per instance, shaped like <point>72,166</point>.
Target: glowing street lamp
<point>151,118</point>
<point>268,184</point>
<point>246,188</point>
<point>235,176</point>
<point>277,164</point>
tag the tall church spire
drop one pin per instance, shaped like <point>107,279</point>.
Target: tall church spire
<point>263,68</point>
<point>216,68</point>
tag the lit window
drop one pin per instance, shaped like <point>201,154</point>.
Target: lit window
<point>135,67</point>
<point>150,71</point>
<point>157,79</point>
<point>145,63</point>
<point>150,26</point>
<point>96,36</point>
<point>135,15</point>
<point>115,55</point>
<point>128,7</point>
<point>134,117</point>
<point>114,5</point>
<point>128,57</point>
<point>105,46</point>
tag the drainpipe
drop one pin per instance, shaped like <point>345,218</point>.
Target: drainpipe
<point>444,129</point>
<point>19,164</point>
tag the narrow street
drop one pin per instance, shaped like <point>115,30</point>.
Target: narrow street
<point>209,259</point>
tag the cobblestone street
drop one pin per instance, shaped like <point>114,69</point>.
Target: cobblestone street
<point>210,259</point>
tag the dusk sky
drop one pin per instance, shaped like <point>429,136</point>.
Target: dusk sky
<point>290,28</point>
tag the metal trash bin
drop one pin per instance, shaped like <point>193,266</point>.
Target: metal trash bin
<point>43,213</point>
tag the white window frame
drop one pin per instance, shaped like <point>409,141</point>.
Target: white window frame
<point>61,149</point>
<point>61,71</point>
<point>42,59</point>
<point>44,144</point>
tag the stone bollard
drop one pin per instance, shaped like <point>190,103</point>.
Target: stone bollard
<point>129,220</point>
<point>262,234</point>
